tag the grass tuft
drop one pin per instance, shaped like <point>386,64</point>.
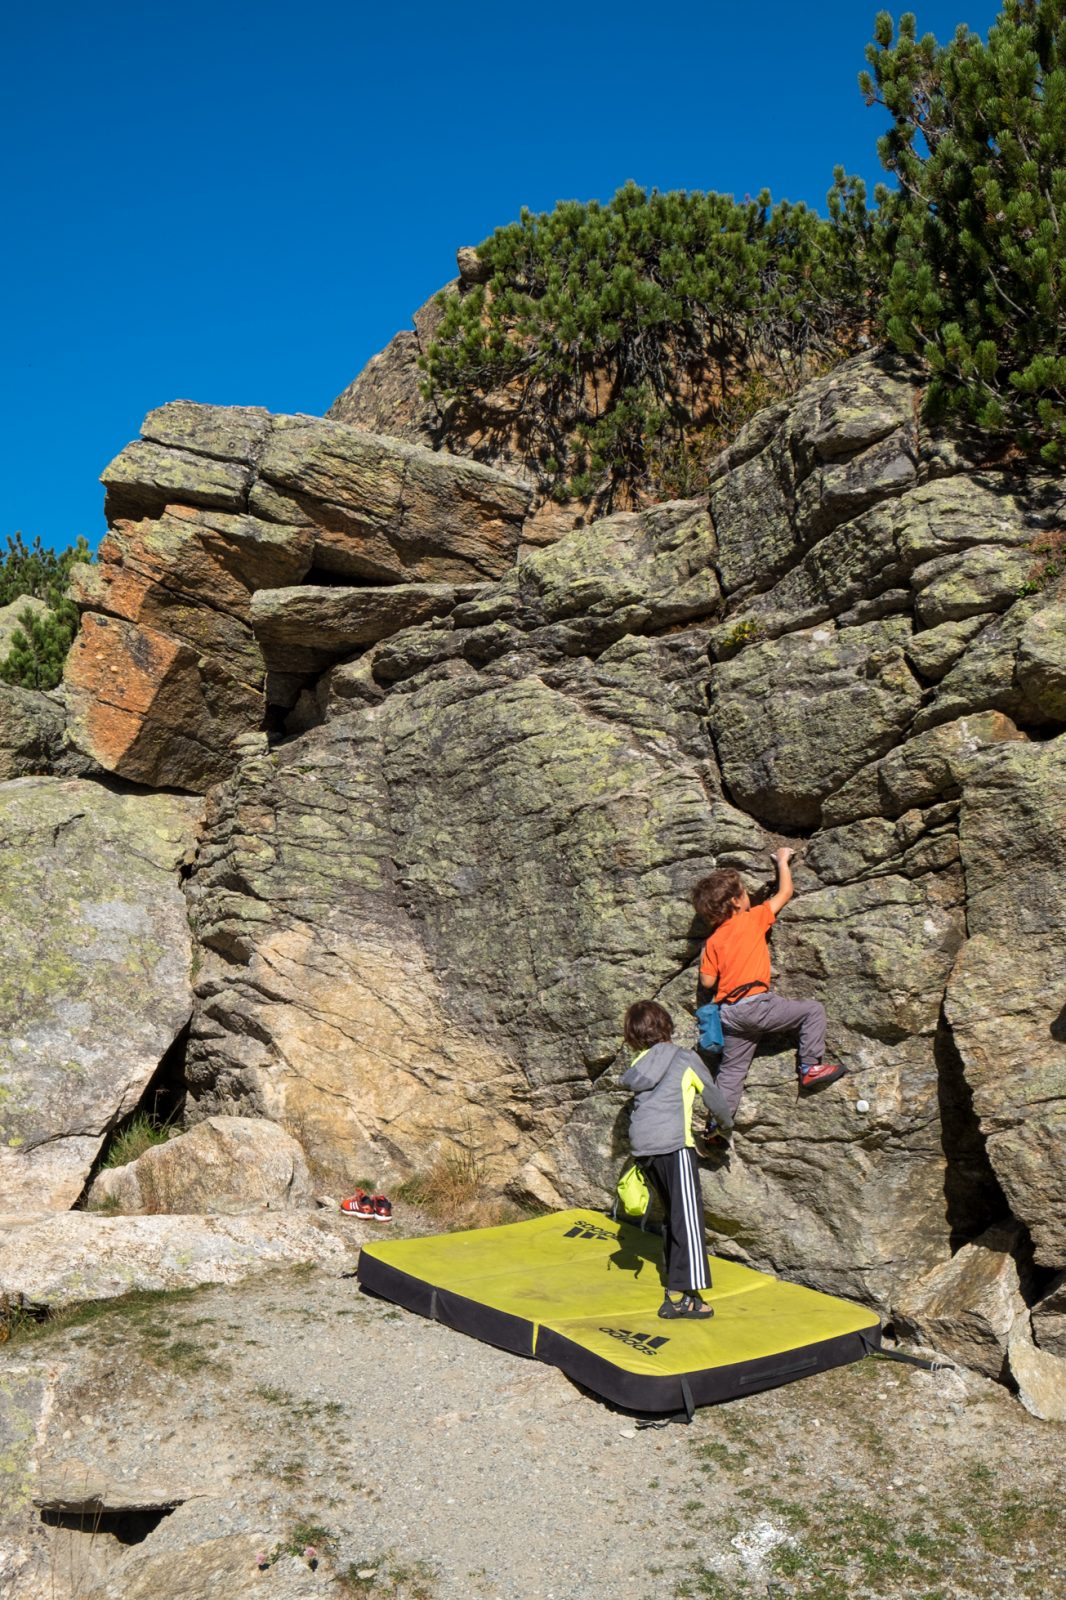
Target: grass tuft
<point>140,1134</point>
<point>21,1324</point>
<point>382,1578</point>
<point>453,1192</point>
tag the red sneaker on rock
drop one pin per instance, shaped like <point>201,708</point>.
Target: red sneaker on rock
<point>360,1204</point>
<point>382,1208</point>
<point>819,1076</point>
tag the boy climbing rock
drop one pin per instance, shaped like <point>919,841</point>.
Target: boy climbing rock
<point>666,1080</point>
<point>736,965</point>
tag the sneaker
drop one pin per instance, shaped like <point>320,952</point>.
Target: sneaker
<point>382,1208</point>
<point>712,1140</point>
<point>819,1076</point>
<point>359,1204</point>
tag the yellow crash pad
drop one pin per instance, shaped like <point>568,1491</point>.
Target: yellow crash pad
<point>581,1291</point>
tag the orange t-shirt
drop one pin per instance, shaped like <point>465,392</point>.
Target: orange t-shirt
<point>737,952</point>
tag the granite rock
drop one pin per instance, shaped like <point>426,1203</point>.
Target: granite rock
<point>96,979</point>
<point>1049,1318</point>
<point>967,1308</point>
<point>795,718</point>
<point>215,503</point>
<point>224,1165</point>
<point>76,1255</point>
<point>1040,1376</point>
<point>1004,1000</point>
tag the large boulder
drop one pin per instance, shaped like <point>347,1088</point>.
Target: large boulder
<point>1005,997</point>
<point>421,914</point>
<point>96,978</point>
<point>214,504</point>
<point>967,1308</point>
<point>223,1165</point>
<point>480,849</point>
<point>78,1256</point>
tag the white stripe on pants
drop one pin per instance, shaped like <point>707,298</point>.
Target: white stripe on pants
<point>676,1177</point>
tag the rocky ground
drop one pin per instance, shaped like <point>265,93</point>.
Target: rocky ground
<point>293,1411</point>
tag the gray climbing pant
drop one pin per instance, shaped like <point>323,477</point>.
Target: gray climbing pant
<point>747,1021</point>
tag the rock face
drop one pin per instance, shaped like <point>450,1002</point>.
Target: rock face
<point>223,1165</point>
<point>424,915</point>
<point>215,503</point>
<point>1005,996</point>
<point>31,734</point>
<point>1041,1378</point>
<point>96,972</point>
<point>1049,1318</point>
<point>495,769</point>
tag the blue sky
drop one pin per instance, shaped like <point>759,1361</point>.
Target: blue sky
<point>240,203</point>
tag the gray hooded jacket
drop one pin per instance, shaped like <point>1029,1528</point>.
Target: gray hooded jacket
<point>666,1080</point>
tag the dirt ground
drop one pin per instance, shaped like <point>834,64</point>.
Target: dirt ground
<point>294,1413</point>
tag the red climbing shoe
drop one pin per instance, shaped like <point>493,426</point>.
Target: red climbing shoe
<point>382,1208</point>
<point>819,1076</point>
<point>360,1204</point>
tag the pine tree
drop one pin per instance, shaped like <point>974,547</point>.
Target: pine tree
<point>39,645</point>
<point>978,146</point>
<point>39,648</point>
<point>616,331</point>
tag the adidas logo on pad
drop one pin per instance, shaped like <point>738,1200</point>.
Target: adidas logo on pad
<point>649,1343</point>
<point>588,1230</point>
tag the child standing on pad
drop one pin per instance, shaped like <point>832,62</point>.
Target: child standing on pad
<point>666,1080</point>
<point>736,965</point>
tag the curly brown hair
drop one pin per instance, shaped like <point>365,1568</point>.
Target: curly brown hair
<point>713,895</point>
<point>647,1023</point>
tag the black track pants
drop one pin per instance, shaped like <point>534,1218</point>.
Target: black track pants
<point>676,1177</point>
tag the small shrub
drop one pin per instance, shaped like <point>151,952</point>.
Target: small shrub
<point>39,645</point>
<point>308,1541</point>
<point>453,1192</point>
<point>1049,550</point>
<point>745,632</point>
<point>139,1134</point>
<point>453,1183</point>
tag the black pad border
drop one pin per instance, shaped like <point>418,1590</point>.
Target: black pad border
<point>634,1391</point>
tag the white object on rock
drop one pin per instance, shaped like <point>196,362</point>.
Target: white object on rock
<point>862,1105</point>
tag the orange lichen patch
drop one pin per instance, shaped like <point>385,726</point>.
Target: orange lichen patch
<point>148,707</point>
<point>132,584</point>
<point>124,666</point>
<point>181,555</point>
